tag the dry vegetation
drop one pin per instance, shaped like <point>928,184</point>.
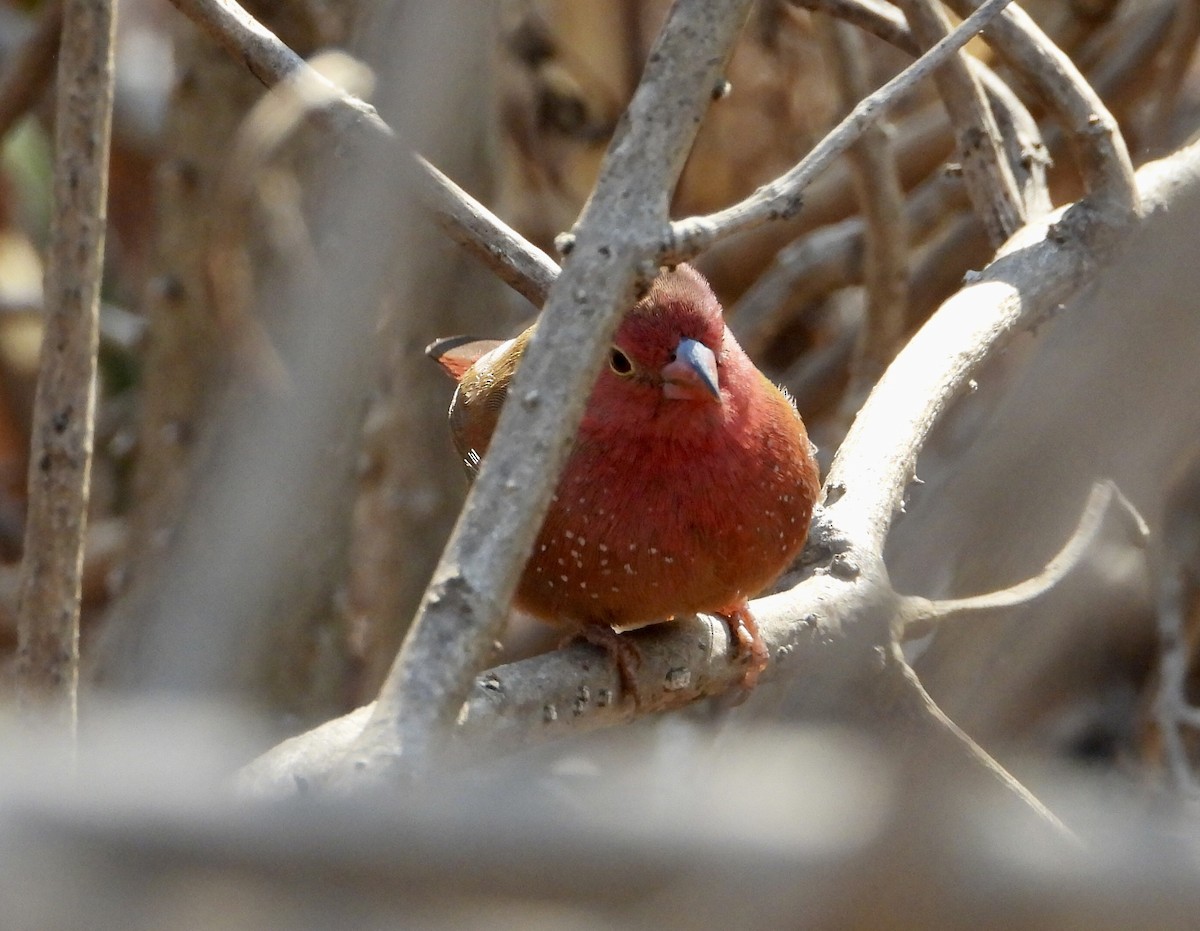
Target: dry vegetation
<point>975,275</point>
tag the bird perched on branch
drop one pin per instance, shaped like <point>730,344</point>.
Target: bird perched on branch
<point>690,485</point>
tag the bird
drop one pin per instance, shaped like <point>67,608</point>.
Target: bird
<point>689,488</point>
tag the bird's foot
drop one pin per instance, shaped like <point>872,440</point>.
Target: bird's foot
<point>748,643</point>
<point>624,653</point>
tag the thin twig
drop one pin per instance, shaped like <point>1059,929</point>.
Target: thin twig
<point>919,616</point>
<point>32,67</point>
<point>828,259</point>
<point>1018,129</point>
<point>885,237</point>
<point>64,410</point>
<point>469,223</point>
<point>467,601</point>
<point>783,197</point>
<point>989,177</point>
<point>523,267</point>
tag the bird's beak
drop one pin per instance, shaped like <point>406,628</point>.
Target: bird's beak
<point>693,373</point>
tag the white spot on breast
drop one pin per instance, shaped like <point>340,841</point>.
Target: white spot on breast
<point>628,569</point>
<point>563,578</point>
<point>569,535</point>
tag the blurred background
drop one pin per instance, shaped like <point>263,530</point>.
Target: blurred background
<point>274,480</point>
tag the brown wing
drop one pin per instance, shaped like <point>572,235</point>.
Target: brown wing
<point>480,395</point>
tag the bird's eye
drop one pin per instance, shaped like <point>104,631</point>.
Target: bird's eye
<point>619,362</point>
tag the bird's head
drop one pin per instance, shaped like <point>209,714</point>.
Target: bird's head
<point>669,348</point>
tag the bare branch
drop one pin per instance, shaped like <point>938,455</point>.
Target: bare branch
<point>989,178</point>
<point>64,410</point>
<point>465,606</point>
<point>783,197</point>
<point>32,67</point>
<point>886,254</point>
<point>1018,130</point>
<point>253,44</point>
<point>1103,158</point>
<point>522,266</point>
<point>517,262</point>
<point>919,616</point>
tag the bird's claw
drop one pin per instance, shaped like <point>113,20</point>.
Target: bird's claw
<point>748,643</point>
<point>624,653</point>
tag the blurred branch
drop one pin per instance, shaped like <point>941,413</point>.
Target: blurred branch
<point>1178,620</point>
<point>782,198</point>
<point>244,180</point>
<point>885,236</point>
<point>64,409</point>
<point>919,616</point>
<point>517,262</point>
<point>1114,73</point>
<point>32,67</point>
<point>1172,72</point>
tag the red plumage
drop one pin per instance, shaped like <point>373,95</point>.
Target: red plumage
<point>690,485</point>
